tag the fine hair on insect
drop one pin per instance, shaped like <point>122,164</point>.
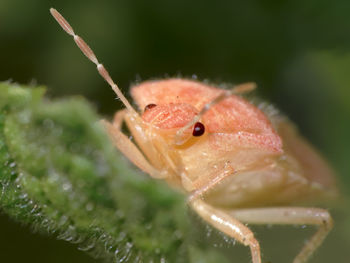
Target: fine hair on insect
<point>237,165</point>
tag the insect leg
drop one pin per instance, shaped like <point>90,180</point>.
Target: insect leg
<point>128,148</point>
<point>291,216</point>
<point>228,225</point>
<point>204,184</point>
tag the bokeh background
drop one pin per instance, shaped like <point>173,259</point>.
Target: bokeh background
<point>297,51</point>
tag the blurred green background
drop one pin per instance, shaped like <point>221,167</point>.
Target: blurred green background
<point>297,51</point>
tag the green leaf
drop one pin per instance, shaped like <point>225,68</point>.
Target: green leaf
<point>61,175</point>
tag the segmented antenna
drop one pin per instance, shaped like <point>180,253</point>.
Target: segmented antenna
<point>239,89</point>
<point>91,56</point>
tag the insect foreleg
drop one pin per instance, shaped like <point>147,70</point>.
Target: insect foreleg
<point>291,216</point>
<point>128,148</point>
<point>227,224</point>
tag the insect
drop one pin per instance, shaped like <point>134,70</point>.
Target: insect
<point>237,164</point>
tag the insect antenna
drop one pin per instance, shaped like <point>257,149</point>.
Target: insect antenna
<point>91,56</point>
<point>239,89</point>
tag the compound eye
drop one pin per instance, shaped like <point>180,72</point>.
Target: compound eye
<point>150,106</point>
<point>198,129</point>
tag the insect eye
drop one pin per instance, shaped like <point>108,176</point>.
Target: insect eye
<point>198,129</point>
<point>150,106</point>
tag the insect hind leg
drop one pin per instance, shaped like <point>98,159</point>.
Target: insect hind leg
<point>291,216</point>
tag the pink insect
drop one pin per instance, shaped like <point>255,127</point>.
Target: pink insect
<point>237,164</point>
